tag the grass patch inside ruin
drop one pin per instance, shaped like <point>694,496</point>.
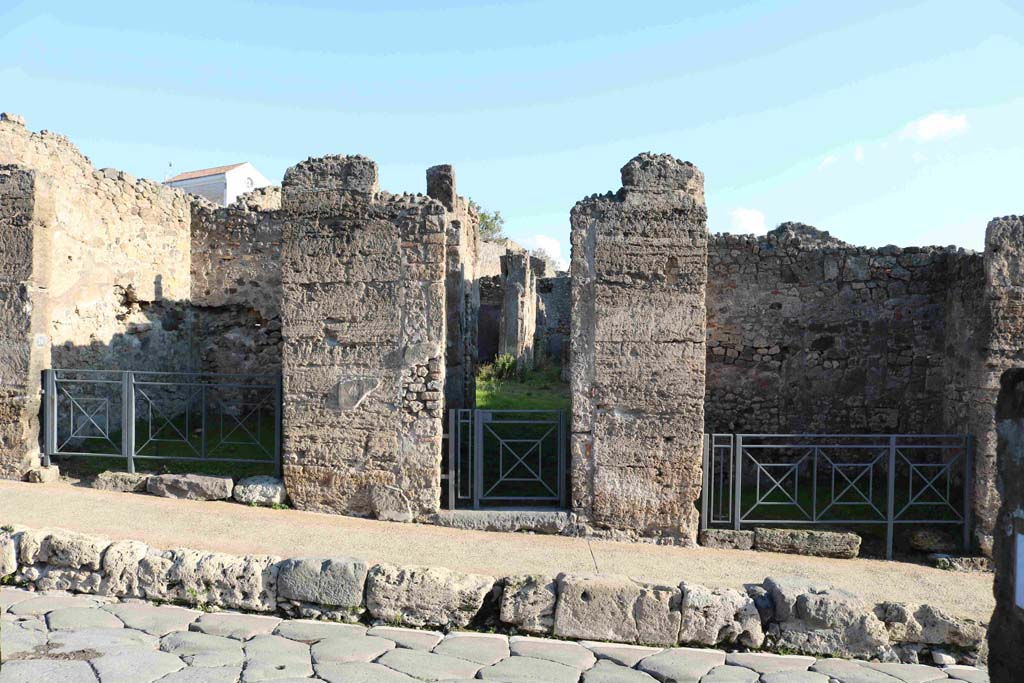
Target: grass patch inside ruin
<point>537,389</point>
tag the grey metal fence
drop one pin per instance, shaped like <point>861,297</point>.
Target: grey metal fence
<point>191,417</point>
<point>838,479</point>
<point>507,458</point>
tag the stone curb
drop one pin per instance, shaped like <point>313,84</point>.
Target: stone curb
<point>784,614</point>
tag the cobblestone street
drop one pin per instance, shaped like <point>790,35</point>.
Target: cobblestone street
<point>56,636</point>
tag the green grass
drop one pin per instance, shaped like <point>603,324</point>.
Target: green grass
<point>539,389</point>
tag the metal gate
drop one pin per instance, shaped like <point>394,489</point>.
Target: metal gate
<point>187,417</point>
<point>838,479</point>
<point>505,458</point>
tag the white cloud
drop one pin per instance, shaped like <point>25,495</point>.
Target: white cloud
<point>549,244</point>
<point>858,153</point>
<point>827,161</point>
<point>919,157</point>
<point>748,220</point>
<point>935,126</point>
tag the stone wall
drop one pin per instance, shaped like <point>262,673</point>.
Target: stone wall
<point>519,307</point>
<point>554,317</point>
<point>490,253</point>
<point>492,300</point>
<point>363,315</point>
<point>639,268</point>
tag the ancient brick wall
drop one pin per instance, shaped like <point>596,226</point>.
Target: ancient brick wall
<point>639,268</point>
<point>236,283</point>
<point>363,316</point>
<point>810,334</point>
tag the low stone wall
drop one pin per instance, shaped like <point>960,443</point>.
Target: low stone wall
<point>782,614</point>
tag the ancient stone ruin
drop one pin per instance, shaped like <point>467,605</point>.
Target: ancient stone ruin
<point>375,310</point>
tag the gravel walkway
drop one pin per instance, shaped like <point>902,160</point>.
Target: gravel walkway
<point>233,528</point>
<point>86,639</point>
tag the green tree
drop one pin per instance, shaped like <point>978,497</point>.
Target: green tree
<point>492,225</point>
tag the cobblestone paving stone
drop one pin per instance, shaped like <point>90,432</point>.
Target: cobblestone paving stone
<point>76,639</point>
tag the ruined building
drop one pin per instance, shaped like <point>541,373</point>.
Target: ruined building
<point>375,309</point>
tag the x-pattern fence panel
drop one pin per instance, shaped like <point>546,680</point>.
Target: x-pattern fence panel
<point>890,479</point>
<point>162,416</point>
<point>506,458</point>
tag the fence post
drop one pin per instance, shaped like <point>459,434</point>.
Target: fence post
<point>737,476</point>
<point>891,506</point>
<point>563,450</point>
<point>968,463</point>
<point>478,457</point>
<point>128,418</point>
<point>278,423</point>
<point>49,415</point>
<point>705,490</point>
<point>453,449</point>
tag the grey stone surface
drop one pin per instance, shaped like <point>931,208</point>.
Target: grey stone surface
<point>482,648</point>
<point>61,548</point>
<point>796,677</point>
<point>334,581</point>
<point>626,655</point>
<point>75,618</point>
<point>42,603</point>
<point>133,482</point>
<point>764,663</point>
<point>907,673</point>
<point>43,475</point>
<point>259,490</point>
<point>617,608</point>
<point>966,673</point>
<point>843,545</point>
<point>200,650</point>
<point>361,672</point>
<point>682,665</point>
<point>101,640</point>
<point>713,616</point>
<point>37,670</point>
<point>528,670</point>
<point>727,538</point>
<point>11,596</point>
<point>246,582</point>
<point>8,554</point>
<point>349,648</point>
<point>606,671</point>
<point>850,672</point>
<point>928,625</point>
<point>428,666</point>
<point>273,657</point>
<point>570,654</point>
<point>234,625</point>
<point>528,603</point>
<point>190,486</point>
<point>220,674</point>
<point>413,639</point>
<point>310,631</point>
<point>425,596</point>
<point>539,521</point>
<point>151,619</point>
<point>17,641</point>
<point>730,674</point>
<point>135,666</point>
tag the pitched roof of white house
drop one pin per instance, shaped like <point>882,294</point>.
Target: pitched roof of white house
<point>203,172</point>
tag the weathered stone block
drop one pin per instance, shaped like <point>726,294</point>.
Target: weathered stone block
<point>190,486</point>
<point>43,475</point>
<point>662,172</point>
<point>928,625</point>
<point>425,596</point>
<point>806,542</point>
<point>528,602</point>
<point>62,548</point>
<point>8,553</point>
<point>133,569</point>
<point>331,581</point>
<point>616,608</point>
<point>260,490</point>
<point>727,538</point>
<point>716,616</point>
<point>247,582</point>
<point>121,481</point>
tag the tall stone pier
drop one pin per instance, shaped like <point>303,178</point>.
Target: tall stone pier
<point>363,321</point>
<point>519,308</point>
<point>639,270</point>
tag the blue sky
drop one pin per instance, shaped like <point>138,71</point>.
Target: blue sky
<point>883,122</point>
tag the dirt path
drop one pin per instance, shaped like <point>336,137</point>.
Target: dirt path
<point>234,528</point>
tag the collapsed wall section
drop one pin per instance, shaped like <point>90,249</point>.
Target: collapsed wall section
<point>363,319</point>
<point>639,268</point>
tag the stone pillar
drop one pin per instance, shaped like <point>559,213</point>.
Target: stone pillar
<point>1006,630</point>
<point>639,269</point>
<point>519,307</point>
<point>363,322</point>
<point>24,346</point>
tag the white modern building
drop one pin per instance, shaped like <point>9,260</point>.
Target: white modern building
<point>221,184</point>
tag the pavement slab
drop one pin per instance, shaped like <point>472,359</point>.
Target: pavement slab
<point>220,674</point>
<point>850,672</point>
<point>37,670</point>
<point>360,672</point>
<point>234,625</point>
<point>561,651</point>
<point>101,640</point>
<point>606,671</point>
<point>908,673</point>
<point>135,666</point>
<point>411,638</point>
<point>427,665</point>
<point>273,657</point>
<point>682,665</point>
<point>201,650</point>
<point>731,674</point>
<point>154,620</point>
<point>77,618</point>
<point>349,649</point>
<point>765,663</point>
<point>529,670</point>
<point>18,641</point>
<point>11,596</point>
<point>310,631</point>
<point>482,648</point>
<point>966,673</point>
<point>795,677</point>
<point>626,655</point>
<point>43,604</point>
